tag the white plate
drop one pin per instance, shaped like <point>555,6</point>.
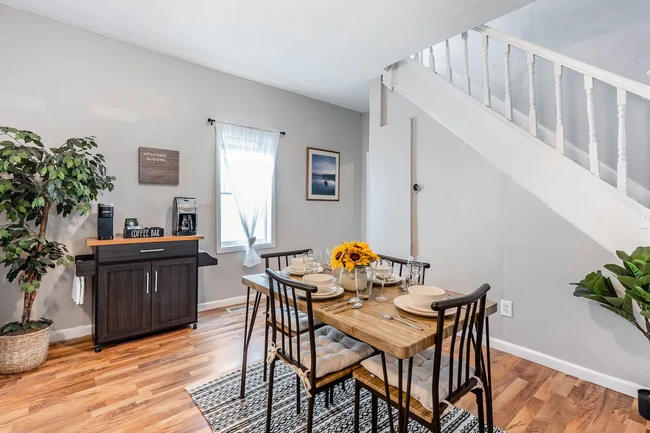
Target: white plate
<point>319,296</point>
<point>301,272</point>
<point>403,303</point>
<point>394,279</point>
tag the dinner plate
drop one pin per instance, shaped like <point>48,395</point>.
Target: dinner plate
<point>301,272</point>
<point>394,279</point>
<point>319,296</point>
<point>403,303</point>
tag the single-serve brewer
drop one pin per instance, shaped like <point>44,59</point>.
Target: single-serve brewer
<point>185,216</point>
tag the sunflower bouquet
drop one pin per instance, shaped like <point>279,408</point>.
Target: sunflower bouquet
<point>349,255</point>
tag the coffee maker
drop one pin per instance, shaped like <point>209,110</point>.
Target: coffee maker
<point>105,221</point>
<point>185,216</point>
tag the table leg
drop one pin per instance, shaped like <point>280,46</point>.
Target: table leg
<point>248,333</point>
<point>409,374</point>
<point>387,392</point>
<point>488,374</point>
<point>399,395</point>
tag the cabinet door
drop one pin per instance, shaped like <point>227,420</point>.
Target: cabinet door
<point>124,301</point>
<point>174,292</point>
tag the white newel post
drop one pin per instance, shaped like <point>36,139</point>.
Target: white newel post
<point>532,113</point>
<point>559,127</point>
<point>486,72</point>
<point>468,86</point>
<point>508,97</point>
<point>448,60</point>
<point>593,142</point>
<point>432,60</point>
<point>621,167</point>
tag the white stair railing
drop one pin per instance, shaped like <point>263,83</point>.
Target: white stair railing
<point>590,73</point>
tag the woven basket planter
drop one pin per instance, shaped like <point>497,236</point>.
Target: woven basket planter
<point>19,353</point>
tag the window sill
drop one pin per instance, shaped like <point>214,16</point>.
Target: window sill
<point>238,248</point>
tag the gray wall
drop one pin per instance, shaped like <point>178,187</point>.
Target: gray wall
<point>63,82</point>
<point>476,225</point>
<point>609,34</point>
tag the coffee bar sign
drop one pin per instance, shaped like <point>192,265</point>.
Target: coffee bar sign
<point>159,166</point>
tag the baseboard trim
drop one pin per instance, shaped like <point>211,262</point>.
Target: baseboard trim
<point>602,379</point>
<point>205,306</point>
<point>69,333</point>
<point>82,331</point>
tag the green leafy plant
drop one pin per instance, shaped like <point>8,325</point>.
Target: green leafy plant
<point>634,275</point>
<point>35,181</point>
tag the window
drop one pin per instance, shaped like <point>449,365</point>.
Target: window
<point>230,233</point>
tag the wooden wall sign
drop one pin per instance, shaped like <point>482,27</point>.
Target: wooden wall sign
<point>158,166</point>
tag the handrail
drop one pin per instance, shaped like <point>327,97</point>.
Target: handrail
<point>610,78</point>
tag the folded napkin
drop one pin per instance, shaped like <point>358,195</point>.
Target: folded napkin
<point>78,286</point>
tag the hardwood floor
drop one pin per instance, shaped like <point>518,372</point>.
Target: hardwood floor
<point>139,387</point>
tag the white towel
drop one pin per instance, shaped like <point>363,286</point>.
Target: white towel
<point>78,286</point>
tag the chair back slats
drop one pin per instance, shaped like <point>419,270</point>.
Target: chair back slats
<point>468,330</point>
<point>282,256</point>
<point>284,301</point>
<point>403,263</point>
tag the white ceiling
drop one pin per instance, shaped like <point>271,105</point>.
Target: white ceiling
<point>324,49</point>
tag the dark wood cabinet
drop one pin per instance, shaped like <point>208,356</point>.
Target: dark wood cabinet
<point>124,294</point>
<point>172,303</point>
<point>143,286</point>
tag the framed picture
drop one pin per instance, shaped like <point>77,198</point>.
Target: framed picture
<point>323,181</point>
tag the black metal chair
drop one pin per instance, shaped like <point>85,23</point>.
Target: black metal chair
<point>268,258</point>
<point>299,350</point>
<point>451,377</point>
<point>402,265</point>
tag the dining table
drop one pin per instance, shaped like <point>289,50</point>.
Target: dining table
<point>365,324</point>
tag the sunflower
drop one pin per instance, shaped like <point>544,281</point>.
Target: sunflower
<point>349,255</point>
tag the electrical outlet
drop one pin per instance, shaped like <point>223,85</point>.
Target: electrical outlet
<point>506,308</point>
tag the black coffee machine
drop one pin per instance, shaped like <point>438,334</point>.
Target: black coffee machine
<point>185,216</point>
<point>105,221</point>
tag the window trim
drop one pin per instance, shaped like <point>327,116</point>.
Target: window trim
<point>233,248</point>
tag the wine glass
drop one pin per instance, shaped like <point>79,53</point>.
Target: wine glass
<point>383,271</point>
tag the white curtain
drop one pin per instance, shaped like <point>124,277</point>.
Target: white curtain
<point>245,151</point>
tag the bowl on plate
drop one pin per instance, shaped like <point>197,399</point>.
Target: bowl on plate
<point>424,296</point>
<point>321,281</point>
<point>302,263</point>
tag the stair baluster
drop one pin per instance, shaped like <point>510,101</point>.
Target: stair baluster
<point>508,97</point>
<point>468,86</point>
<point>593,142</point>
<point>432,60</point>
<point>448,60</point>
<point>621,166</point>
<point>486,72</point>
<point>532,114</point>
<point>559,127</point>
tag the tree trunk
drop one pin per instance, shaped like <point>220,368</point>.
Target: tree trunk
<point>28,303</point>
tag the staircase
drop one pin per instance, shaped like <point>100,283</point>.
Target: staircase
<point>593,193</point>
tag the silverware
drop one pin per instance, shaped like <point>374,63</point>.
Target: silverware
<point>401,316</point>
<point>389,317</point>
<point>354,306</point>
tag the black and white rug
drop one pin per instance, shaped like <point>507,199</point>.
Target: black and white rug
<point>219,402</point>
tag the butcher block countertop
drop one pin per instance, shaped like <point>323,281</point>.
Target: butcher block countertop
<point>119,240</point>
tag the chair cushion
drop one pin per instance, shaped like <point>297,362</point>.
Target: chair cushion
<point>302,320</point>
<point>421,381</point>
<point>334,351</point>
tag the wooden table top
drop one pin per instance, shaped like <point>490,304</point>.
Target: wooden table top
<point>367,325</point>
<point>120,240</point>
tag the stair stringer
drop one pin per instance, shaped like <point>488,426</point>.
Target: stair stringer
<point>593,206</point>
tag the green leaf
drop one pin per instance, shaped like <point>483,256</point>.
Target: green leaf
<point>624,257</point>
<point>637,272</point>
<point>645,313</point>
<point>618,270</point>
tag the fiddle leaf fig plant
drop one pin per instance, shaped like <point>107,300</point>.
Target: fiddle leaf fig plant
<point>34,182</point>
<point>634,276</point>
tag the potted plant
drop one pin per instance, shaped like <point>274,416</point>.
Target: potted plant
<point>347,256</point>
<point>35,182</point>
<point>634,276</point>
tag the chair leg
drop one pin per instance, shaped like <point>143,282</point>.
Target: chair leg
<point>269,407</point>
<point>481,414</point>
<point>327,398</point>
<point>310,415</point>
<point>357,398</point>
<point>374,404</point>
<point>266,336</point>
<point>298,383</point>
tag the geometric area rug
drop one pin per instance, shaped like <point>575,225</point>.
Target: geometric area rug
<point>218,400</point>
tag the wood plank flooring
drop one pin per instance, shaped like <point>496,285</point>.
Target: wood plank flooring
<point>139,387</point>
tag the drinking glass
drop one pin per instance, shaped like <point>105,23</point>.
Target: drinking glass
<point>383,271</point>
<point>414,269</point>
<point>308,262</point>
<point>363,282</point>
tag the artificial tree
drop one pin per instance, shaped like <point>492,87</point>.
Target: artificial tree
<point>35,181</point>
<point>634,275</point>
